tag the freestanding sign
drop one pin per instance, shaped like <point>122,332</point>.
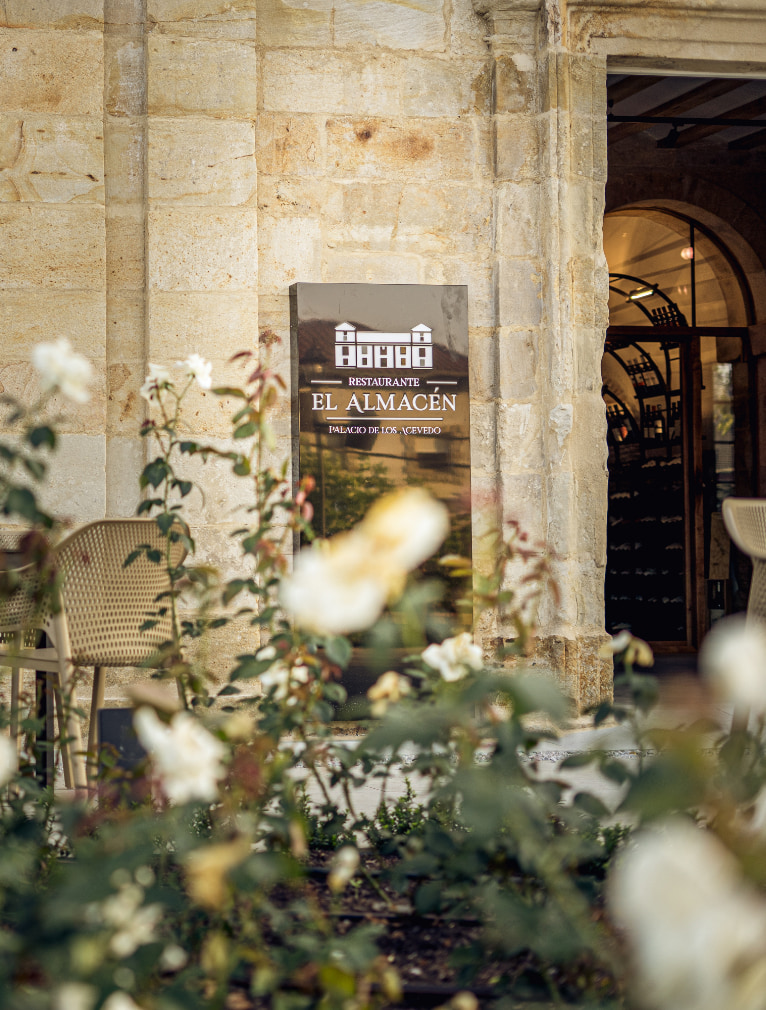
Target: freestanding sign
<point>380,397</point>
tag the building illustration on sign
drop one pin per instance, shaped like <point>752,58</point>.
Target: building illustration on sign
<point>369,349</point>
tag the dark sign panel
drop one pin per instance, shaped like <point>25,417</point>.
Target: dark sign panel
<point>380,397</point>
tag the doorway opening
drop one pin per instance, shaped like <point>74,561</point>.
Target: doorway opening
<point>676,383</point>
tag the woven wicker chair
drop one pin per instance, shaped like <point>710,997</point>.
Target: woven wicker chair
<point>745,520</point>
<point>102,607</point>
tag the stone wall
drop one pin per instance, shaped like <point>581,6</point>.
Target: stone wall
<point>169,167</point>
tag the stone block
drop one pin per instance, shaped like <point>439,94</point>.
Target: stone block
<point>31,316</point>
<point>445,220</point>
<point>76,488</point>
<point>391,25</point>
<point>483,433</point>
<point>519,434</point>
<point>211,323</point>
<point>467,32</point>
<point>224,497</point>
<point>414,148</point>
<point>213,19</point>
<point>477,273</point>
<point>517,362</point>
<point>51,159</point>
<point>125,236</point>
<point>518,219</point>
<point>210,77</point>
<point>124,13</point>
<point>519,293</point>
<point>517,149</point>
<point>125,326</point>
<point>280,198</point>
<point>125,407</point>
<point>439,88</point>
<point>288,145</point>
<point>305,82</point>
<point>521,498</point>
<point>125,76</point>
<point>51,72</point>
<point>124,463</point>
<point>482,363</point>
<point>515,84</point>
<point>295,23</point>
<point>380,268</point>
<point>71,14</point>
<point>201,161</point>
<point>21,381</point>
<point>290,251</point>
<point>52,247</point>
<point>202,250</point>
<point>124,156</point>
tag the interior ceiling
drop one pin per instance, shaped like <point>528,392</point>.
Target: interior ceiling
<point>680,112</point>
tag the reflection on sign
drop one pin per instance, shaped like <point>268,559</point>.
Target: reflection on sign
<point>380,379</point>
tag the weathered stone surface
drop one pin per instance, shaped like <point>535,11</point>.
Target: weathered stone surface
<point>289,145</point>
<point>213,324</point>
<point>519,293</point>
<point>124,463</point>
<point>21,381</point>
<point>521,497</point>
<point>52,159</point>
<point>290,251</point>
<point>214,19</point>
<point>125,266</point>
<point>383,85</point>
<point>124,154</point>
<point>418,148</point>
<point>125,312</point>
<point>201,249</point>
<point>51,72</point>
<point>380,268</point>
<point>518,218</point>
<point>125,408</point>
<point>202,161</point>
<point>479,277</point>
<point>77,14</point>
<point>211,77</point>
<point>31,316</point>
<point>52,247</point>
<point>517,149</point>
<point>517,363</point>
<point>518,430</point>
<point>77,487</point>
<point>295,23</point>
<point>125,78</point>
<point>392,25</point>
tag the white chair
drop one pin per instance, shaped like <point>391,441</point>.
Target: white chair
<point>93,617</point>
<point>745,521</point>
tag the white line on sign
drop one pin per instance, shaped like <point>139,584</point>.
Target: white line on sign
<point>326,382</point>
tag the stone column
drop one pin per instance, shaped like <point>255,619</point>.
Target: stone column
<point>201,239</point>
<point>52,263</point>
<point>551,290</point>
<point>125,192</point>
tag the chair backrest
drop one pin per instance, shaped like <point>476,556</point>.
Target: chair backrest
<point>105,602</point>
<point>745,521</point>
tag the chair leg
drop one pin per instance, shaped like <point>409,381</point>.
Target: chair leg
<point>59,632</point>
<point>66,760</point>
<point>96,703</point>
<point>15,696</point>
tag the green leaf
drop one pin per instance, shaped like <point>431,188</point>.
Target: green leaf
<point>591,805</point>
<point>188,448</point>
<point>42,435</point>
<point>164,521</point>
<point>615,770</point>
<point>154,473</point>
<point>428,897</point>
<point>246,430</point>
<point>229,689</point>
<point>35,468</point>
<point>184,486</point>
<point>338,650</point>
<point>242,468</point>
<point>147,505</point>
<point>579,760</point>
<point>240,394</point>
<point>132,557</point>
<point>21,501</point>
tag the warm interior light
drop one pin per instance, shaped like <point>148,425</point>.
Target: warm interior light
<point>687,253</point>
<point>640,293</point>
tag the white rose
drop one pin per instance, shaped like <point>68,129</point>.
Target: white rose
<point>280,676</point>
<point>454,657</point>
<point>62,368</point>
<point>187,759</point>
<point>337,586</point>
<point>120,1000</point>
<point>74,996</point>
<point>733,659</point>
<point>696,930</point>
<point>198,369</point>
<point>158,376</point>
<point>9,760</point>
<point>406,527</point>
<point>344,865</point>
